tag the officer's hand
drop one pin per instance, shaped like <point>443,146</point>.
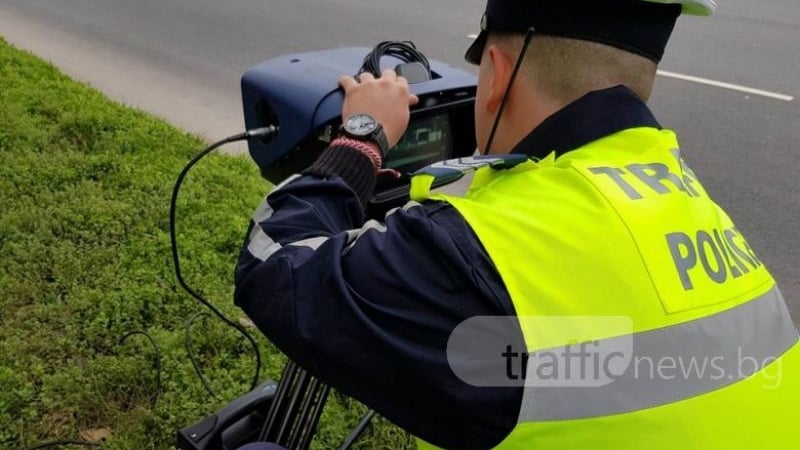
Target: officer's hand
<point>387,99</point>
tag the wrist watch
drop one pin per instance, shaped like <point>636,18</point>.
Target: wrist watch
<point>364,127</point>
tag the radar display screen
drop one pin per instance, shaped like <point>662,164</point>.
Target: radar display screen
<point>426,141</point>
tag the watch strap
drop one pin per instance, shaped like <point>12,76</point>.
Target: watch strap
<point>378,136</point>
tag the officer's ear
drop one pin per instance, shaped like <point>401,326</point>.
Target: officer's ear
<point>500,70</point>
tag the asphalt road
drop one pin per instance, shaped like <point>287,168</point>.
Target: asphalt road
<point>182,59</point>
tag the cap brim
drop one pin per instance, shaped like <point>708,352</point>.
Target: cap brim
<point>700,7</point>
<point>475,51</point>
<point>692,7</point>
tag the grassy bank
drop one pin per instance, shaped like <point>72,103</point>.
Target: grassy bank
<point>84,260</point>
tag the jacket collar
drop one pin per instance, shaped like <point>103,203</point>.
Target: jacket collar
<point>592,117</point>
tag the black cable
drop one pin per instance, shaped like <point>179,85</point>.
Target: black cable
<point>403,50</point>
<point>65,442</point>
<point>187,343</point>
<point>517,66</point>
<point>157,357</point>
<point>358,430</point>
<point>260,132</point>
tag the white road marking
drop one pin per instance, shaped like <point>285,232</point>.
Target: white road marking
<point>723,85</point>
<point>708,82</point>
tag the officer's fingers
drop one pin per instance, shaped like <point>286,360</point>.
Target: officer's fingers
<point>389,74</point>
<point>366,76</point>
<point>403,82</point>
<point>347,82</point>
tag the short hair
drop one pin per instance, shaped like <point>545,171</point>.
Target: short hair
<point>566,69</point>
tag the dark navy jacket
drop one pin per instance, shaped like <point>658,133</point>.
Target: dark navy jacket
<point>368,307</point>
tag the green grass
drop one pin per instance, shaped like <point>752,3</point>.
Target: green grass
<point>84,259</point>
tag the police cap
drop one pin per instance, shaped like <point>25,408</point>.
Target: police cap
<point>639,26</point>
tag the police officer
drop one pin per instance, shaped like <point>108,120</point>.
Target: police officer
<point>591,213</point>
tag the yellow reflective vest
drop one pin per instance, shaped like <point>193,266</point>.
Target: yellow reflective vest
<point>623,228</point>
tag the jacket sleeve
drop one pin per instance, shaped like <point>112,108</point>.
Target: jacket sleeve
<point>369,307</point>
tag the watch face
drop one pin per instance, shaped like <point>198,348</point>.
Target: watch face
<point>360,124</point>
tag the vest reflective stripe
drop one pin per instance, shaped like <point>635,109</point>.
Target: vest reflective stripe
<point>727,347</point>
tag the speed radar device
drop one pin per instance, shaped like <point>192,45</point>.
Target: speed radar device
<point>299,94</point>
